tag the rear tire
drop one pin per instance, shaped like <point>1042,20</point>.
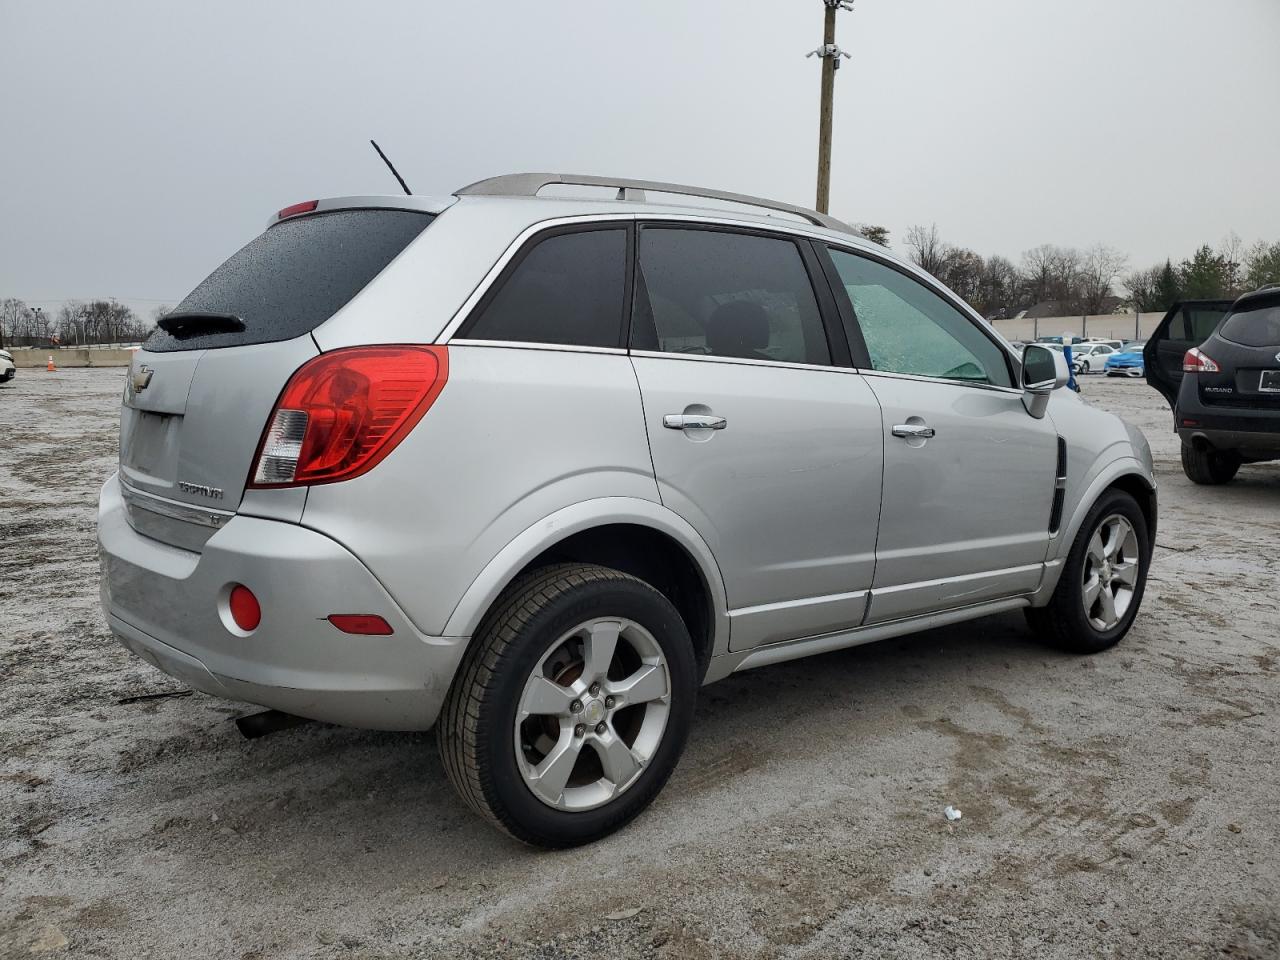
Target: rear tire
<point>549,683</point>
<point>1208,466</point>
<point>1111,553</point>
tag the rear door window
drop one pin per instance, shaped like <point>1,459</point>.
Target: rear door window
<point>292,278</point>
<point>717,293</point>
<point>1254,327</point>
<point>1202,320</point>
<point>567,288</point>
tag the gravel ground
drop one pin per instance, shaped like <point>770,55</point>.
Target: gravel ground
<point>1121,805</point>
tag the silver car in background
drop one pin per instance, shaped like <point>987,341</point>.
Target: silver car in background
<point>531,469</point>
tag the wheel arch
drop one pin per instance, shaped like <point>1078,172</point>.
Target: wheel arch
<point>639,537</point>
<point>1125,473</point>
<point>1143,491</point>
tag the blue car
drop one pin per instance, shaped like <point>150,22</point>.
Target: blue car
<point>1125,362</point>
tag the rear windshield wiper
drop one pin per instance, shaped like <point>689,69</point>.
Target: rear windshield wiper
<point>181,326</point>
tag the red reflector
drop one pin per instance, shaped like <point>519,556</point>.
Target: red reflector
<point>368,624</point>
<point>341,413</point>
<point>245,610</point>
<point>306,206</point>
<point>1191,423</point>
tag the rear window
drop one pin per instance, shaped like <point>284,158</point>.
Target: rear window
<point>293,277</point>
<point>1257,327</point>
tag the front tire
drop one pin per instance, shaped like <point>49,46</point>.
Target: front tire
<point>1209,467</point>
<point>1102,582</point>
<point>572,706</point>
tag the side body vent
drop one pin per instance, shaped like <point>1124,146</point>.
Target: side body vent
<point>1059,488</point>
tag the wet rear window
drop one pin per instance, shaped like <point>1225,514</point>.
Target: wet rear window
<point>293,277</point>
<point>1258,327</point>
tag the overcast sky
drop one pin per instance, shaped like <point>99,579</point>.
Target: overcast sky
<point>145,142</point>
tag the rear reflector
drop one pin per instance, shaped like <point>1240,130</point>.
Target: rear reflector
<point>306,206</point>
<point>245,609</point>
<point>1196,361</point>
<point>343,412</point>
<point>367,624</point>
<point>1190,423</point>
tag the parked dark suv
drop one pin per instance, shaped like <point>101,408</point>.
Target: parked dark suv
<point>1218,365</point>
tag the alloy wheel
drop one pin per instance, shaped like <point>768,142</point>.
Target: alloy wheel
<point>1110,573</point>
<point>592,714</point>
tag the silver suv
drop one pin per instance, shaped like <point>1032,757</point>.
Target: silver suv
<point>531,469</point>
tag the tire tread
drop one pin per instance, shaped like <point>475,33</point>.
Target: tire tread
<point>461,728</point>
<point>1059,622</point>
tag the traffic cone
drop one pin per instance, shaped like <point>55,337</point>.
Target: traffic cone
<point>51,368</point>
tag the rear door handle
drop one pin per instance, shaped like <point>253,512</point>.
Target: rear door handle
<point>683,421</point>
<point>913,430</point>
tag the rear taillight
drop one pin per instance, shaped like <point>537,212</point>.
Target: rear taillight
<point>343,412</point>
<point>1198,362</point>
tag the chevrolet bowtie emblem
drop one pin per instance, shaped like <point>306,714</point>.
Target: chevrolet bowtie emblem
<point>141,378</point>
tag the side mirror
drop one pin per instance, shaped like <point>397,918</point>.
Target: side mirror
<point>1043,371</point>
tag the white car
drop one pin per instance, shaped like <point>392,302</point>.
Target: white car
<point>7,368</point>
<point>1090,357</point>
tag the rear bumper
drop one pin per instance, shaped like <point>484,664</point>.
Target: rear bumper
<point>1253,433</point>
<point>168,606</point>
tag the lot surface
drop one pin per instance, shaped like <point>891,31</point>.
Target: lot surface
<point>1123,805</point>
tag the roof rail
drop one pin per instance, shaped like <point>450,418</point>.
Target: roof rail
<point>528,185</point>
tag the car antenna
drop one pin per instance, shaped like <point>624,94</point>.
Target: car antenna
<point>391,167</point>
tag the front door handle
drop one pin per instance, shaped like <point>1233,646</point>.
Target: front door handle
<point>683,421</point>
<point>912,431</point>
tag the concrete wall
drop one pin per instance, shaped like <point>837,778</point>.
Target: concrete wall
<point>1109,326</point>
<point>71,357</point>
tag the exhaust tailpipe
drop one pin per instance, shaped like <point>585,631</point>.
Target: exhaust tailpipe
<point>257,725</point>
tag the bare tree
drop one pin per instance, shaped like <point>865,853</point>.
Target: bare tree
<point>1262,265</point>
<point>1142,287</point>
<point>98,321</point>
<point>70,324</point>
<point>962,271</point>
<point>14,319</point>
<point>998,287</point>
<point>1097,271</point>
<point>926,249</point>
<point>1038,266</point>
<point>1066,286</point>
<point>1233,254</point>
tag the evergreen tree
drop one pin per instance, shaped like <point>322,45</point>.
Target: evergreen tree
<point>1168,289</point>
<point>1205,276</point>
<point>874,233</point>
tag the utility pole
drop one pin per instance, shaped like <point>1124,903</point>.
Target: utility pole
<point>830,55</point>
